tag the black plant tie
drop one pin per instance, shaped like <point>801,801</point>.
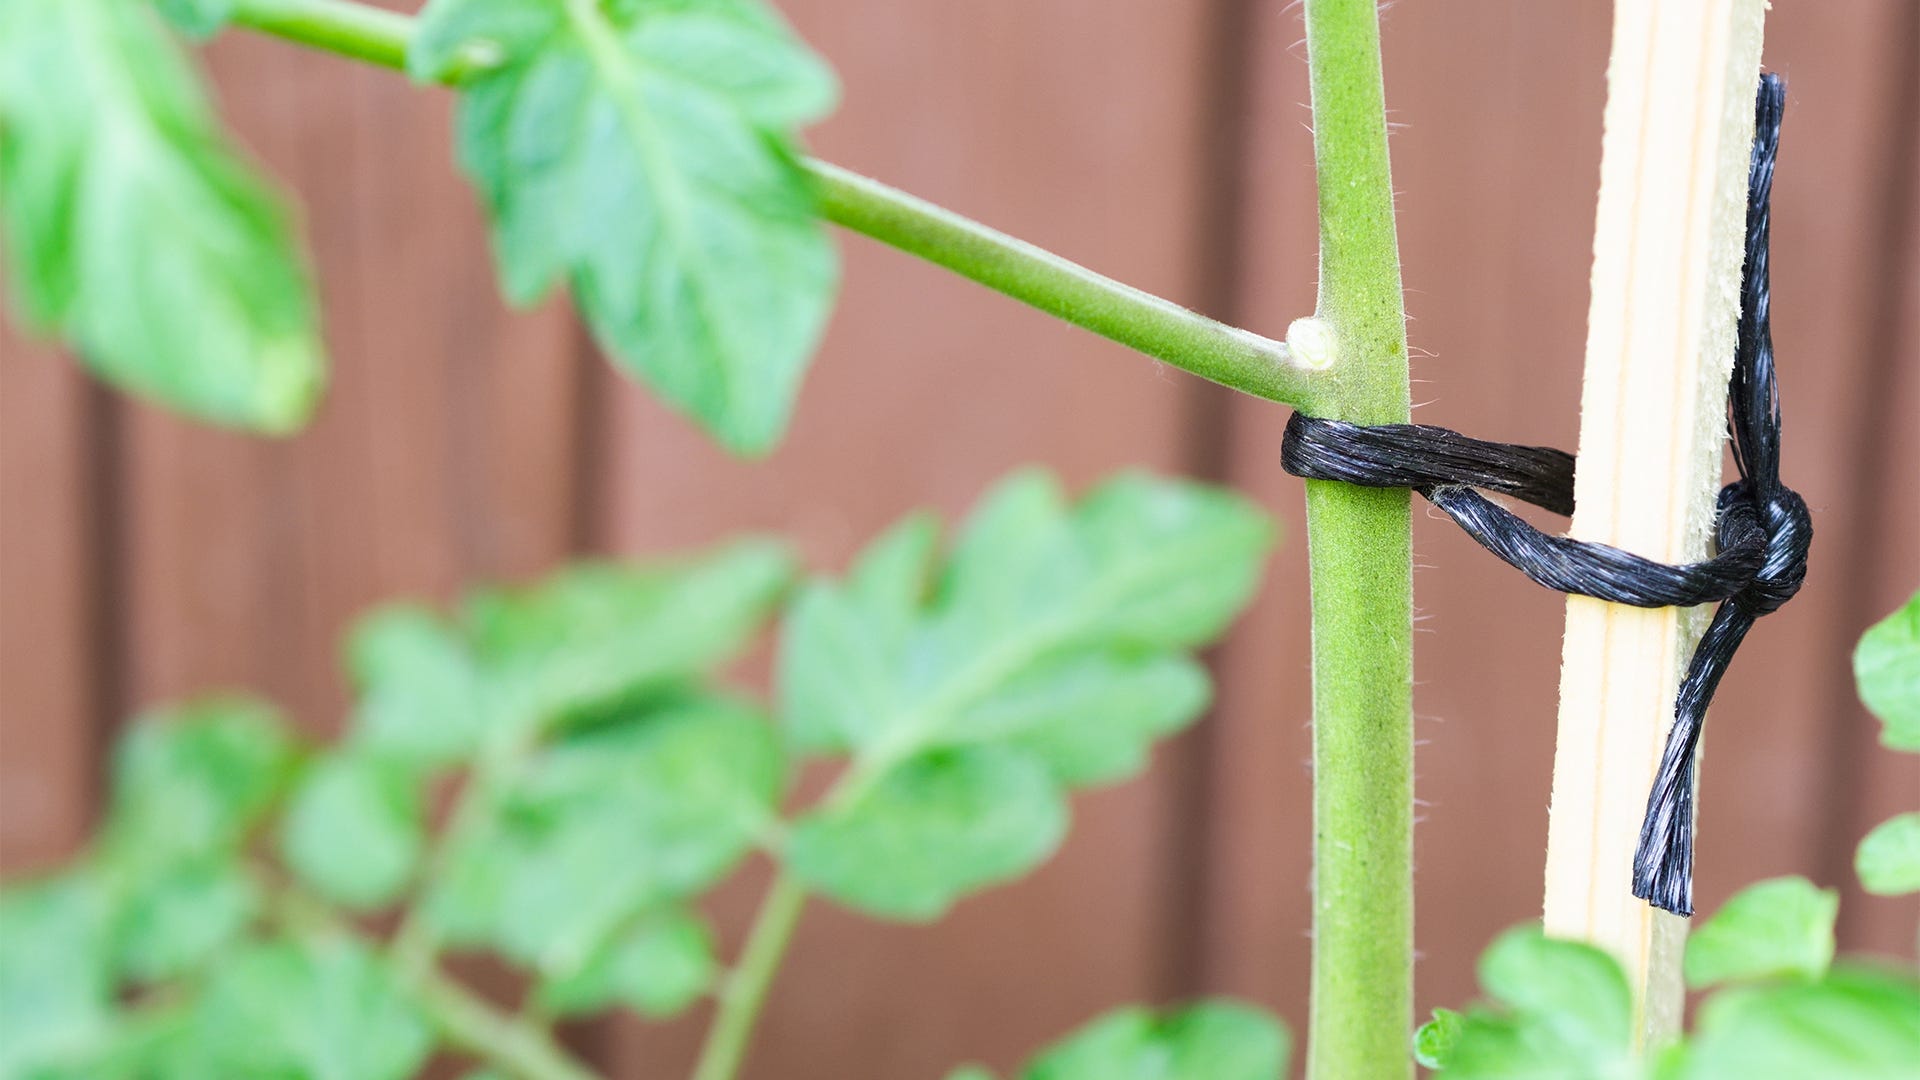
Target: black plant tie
<point>1762,527</point>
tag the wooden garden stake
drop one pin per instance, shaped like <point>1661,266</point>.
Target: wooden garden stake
<point>1660,342</point>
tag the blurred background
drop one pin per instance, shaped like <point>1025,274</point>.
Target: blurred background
<point>1165,144</point>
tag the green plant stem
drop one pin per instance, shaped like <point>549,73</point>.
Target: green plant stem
<point>1360,566</point>
<point>1157,327</point>
<point>464,1019</point>
<point>475,1026</point>
<point>746,987</point>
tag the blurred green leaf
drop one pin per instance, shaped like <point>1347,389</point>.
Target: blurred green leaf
<point>175,921</point>
<point>1049,651</point>
<point>1778,927</point>
<point>323,1009</point>
<point>422,699</point>
<point>1859,1023</point>
<point>607,823</point>
<point>197,19</point>
<point>1563,1012</point>
<point>1433,1042</point>
<point>644,153</point>
<point>1888,860</point>
<point>134,231</point>
<point>193,780</point>
<point>1887,667</point>
<point>56,993</point>
<point>935,827</point>
<point>1215,1040</point>
<point>595,634</point>
<point>355,829</point>
<point>658,966</point>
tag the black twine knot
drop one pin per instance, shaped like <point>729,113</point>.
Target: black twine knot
<point>1762,529</point>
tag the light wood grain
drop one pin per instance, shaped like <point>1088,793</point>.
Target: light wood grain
<point>1660,335</point>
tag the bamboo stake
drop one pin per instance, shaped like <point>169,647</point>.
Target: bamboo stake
<point>1660,339</point>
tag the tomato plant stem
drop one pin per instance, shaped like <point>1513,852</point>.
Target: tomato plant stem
<point>1361,570</point>
<point>1155,326</point>
<point>746,986</point>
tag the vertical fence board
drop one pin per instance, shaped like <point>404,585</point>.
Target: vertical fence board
<point>48,703</point>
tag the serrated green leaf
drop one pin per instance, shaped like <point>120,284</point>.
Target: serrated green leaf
<point>607,823</point>
<point>1887,667</point>
<point>658,966</point>
<point>422,699</point>
<point>134,231</point>
<point>56,993</point>
<point>1565,1013</point>
<point>596,634</point>
<point>644,153</point>
<point>1053,635</point>
<point>933,829</point>
<point>177,920</point>
<point>1433,1042</point>
<point>1218,1040</point>
<point>1778,927</point>
<point>323,1009</point>
<point>191,780</point>
<point>1093,718</point>
<point>1888,860</point>
<point>355,829</point>
<point>198,19</point>
<point>1860,1023</point>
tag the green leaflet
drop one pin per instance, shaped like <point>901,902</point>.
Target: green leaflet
<point>320,1009</point>
<point>197,19</point>
<point>1888,860</point>
<point>605,825</point>
<point>56,993</point>
<point>658,966</point>
<point>1564,1013</point>
<point>134,231</point>
<point>1050,651</point>
<point>1887,667</point>
<point>355,829</point>
<point>1859,1022</point>
<point>644,152</point>
<point>190,782</point>
<point>1782,927</point>
<point>1217,1040</point>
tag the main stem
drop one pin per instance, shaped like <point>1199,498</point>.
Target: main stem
<point>1361,567</point>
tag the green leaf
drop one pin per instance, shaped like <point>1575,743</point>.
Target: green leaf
<point>934,828</point>
<point>1565,1014</point>
<point>175,922</point>
<point>55,989</point>
<point>1434,1041</point>
<point>644,152</point>
<point>192,780</point>
<point>1218,1040</point>
<point>323,1009</point>
<point>1778,927</point>
<point>421,696</point>
<point>1887,667</point>
<point>1054,637</point>
<point>658,966</point>
<point>198,19</point>
<point>607,823</point>
<point>971,1072</point>
<point>1888,860</point>
<point>1860,1023</point>
<point>594,635</point>
<point>355,829</point>
<point>134,231</point>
